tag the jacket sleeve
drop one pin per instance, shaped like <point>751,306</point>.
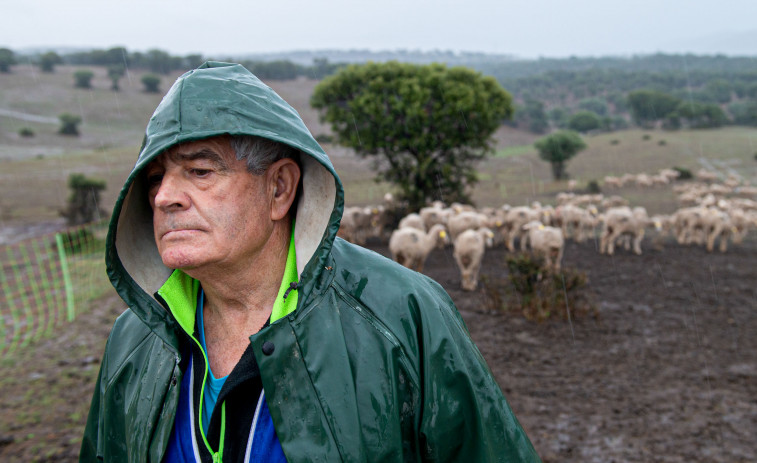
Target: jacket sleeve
<point>90,441</point>
<point>465,416</point>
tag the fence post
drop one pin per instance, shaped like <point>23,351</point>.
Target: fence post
<point>66,276</point>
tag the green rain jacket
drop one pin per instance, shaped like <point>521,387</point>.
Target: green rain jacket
<point>375,363</point>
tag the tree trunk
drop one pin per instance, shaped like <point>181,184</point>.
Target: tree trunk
<point>558,170</point>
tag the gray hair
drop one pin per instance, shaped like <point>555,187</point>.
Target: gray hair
<point>260,153</point>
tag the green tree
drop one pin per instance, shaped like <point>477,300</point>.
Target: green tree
<point>83,78</point>
<point>701,115</point>
<point>194,60</point>
<point>744,112</point>
<point>115,72</point>
<point>559,116</point>
<point>533,116</point>
<point>584,121</point>
<point>151,83</point>
<point>650,106</point>
<point>7,59</point>
<point>595,105</point>
<point>719,90</point>
<point>83,203</point>
<point>158,61</point>
<point>48,61</point>
<point>559,147</point>
<point>69,124</point>
<point>424,125</point>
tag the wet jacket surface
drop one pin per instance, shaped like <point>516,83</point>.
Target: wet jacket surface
<point>375,364</point>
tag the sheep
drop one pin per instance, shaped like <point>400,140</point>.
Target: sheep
<point>670,174</point>
<point>576,222</point>
<point>612,181</point>
<point>718,224</point>
<point>466,220</point>
<point>546,242</point>
<point>468,253</point>
<point>356,224</point>
<point>642,221</point>
<point>614,201</point>
<point>514,221</point>
<point>412,220</point>
<point>704,175</point>
<point>410,246</point>
<point>433,215</point>
<point>688,225</point>
<point>617,222</point>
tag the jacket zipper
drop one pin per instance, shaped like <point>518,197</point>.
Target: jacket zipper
<point>217,456</point>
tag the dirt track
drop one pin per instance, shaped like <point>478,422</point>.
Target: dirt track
<point>667,373</point>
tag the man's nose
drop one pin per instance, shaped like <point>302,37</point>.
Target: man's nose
<point>171,194</point>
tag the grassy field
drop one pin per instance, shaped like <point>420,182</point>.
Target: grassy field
<point>34,171</point>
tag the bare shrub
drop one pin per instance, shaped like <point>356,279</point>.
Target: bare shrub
<point>537,295</point>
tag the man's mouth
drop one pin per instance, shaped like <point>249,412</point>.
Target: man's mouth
<point>177,232</point>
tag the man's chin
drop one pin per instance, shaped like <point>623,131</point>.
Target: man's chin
<point>176,259</point>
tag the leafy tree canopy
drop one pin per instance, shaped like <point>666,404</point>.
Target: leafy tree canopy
<point>426,125</point>
<point>533,116</point>
<point>69,124</point>
<point>83,78</point>
<point>650,106</point>
<point>151,83</point>
<point>49,60</point>
<point>701,115</point>
<point>584,121</point>
<point>559,147</point>
<point>7,59</point>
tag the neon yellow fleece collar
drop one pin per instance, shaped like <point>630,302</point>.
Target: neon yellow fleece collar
<point>180,293</point>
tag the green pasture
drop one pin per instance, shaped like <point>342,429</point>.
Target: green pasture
<point>34,171</point>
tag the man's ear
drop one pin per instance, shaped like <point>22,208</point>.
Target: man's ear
<point>284,176</point>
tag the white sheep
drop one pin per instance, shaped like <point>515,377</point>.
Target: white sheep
<point>410,246</point>
<point>412,220</point>
<point>465,220</point>
<point>546,242</point>
<point>577,222</point>
<point>469,252</point>
<point>617,222</point>
<point>356,224</point>
<point>435,214</point>
<point>514,221</point>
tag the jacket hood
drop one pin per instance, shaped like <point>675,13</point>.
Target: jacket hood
<point>216,99</point>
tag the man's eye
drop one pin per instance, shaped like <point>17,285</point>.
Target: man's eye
<point>200,172</point>
<point>154,180</point>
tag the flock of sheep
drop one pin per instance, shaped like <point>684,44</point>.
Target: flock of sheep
<point>709,211</point>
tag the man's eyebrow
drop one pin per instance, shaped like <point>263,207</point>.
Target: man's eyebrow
<point>206,154</point>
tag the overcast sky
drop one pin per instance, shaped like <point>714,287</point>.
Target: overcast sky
<point>524,28</point>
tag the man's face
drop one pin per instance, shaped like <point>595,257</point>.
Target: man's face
<point>208,211</point>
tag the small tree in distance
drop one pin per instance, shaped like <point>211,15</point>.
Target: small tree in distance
<point>557,148</point>
<point>48,61</point>
<point>584,121</point>
<point>69,124</point>
<point>151,83</point>
<point>83,204</point>
<point>424,125</point>
<point>115,72</point>
<point>7,59</point>
<point>83,78</point>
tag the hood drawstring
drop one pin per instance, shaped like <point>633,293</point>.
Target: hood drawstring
<point>292,286</point>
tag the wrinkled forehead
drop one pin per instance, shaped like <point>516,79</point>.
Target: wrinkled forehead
<point>216,149</point>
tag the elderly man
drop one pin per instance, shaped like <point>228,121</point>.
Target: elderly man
<point>252,333</point>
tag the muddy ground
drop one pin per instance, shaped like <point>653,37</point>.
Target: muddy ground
<point>667,372</point>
